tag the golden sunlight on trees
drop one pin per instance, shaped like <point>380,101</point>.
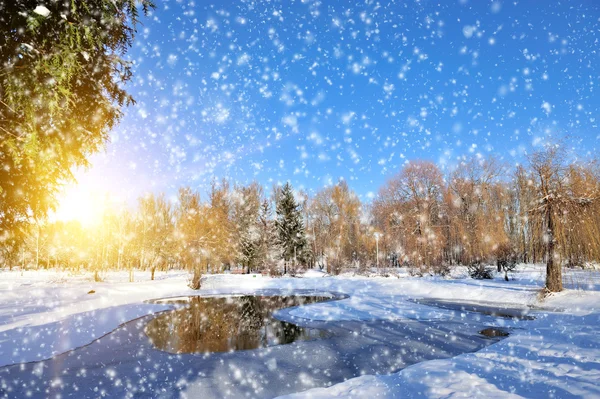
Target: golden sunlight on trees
<point>60,94</point>
<point>478,214</point>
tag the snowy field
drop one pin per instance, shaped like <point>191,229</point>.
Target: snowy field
<point>45,313</point>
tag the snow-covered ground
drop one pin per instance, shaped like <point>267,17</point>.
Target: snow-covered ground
<point>44,313</point>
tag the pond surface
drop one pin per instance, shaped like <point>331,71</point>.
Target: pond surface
<point>516,311</point>
<point>223,324</point>
<point>209,333</point>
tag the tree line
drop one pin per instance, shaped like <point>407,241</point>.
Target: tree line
<point>235,227</point>
<point>62,92</point>
<point>480,213</point>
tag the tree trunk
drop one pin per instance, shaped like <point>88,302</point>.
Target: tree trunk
<point>152,270</point>
<point>524,248</point>
<point>553,270</point>
<point>196,279</point>
<point>37,247</point>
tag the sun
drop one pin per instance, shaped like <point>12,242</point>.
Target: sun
<point>80,203</point>
<point>94,192</point>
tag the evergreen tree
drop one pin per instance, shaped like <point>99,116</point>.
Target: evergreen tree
<point>265,234</point>
<point>246,212</point>
<point>249,248</point>
<point>60,94</point>
<point>291,237</point>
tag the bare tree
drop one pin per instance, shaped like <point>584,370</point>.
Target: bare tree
<point>476,209</point>
<point>155,226</point>
<point>411,202</point>
<point>556,195</point>
<point>335,217</point>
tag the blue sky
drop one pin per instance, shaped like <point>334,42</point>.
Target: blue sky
<point>311,91</point>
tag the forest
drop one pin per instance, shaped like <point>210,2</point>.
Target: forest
<point>481,213</point>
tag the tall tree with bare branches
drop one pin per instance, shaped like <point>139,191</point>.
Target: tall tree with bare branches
<point>556,194</point>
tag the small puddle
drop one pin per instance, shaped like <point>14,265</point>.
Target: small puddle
<point>494,332</point>
<point>223,324</point>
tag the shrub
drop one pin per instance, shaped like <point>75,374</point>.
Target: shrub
<point>415,271</point>
<point>442,269</point>
<point>480,271</point>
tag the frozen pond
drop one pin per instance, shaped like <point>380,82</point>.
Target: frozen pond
<point>223,324</point>
<point>232,347</point>
<point>508,311</point>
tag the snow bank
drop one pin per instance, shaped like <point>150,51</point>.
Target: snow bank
<point>45,313</point>
<point>557,355</point>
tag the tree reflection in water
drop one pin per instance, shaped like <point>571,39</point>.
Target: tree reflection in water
<point>214,324</point>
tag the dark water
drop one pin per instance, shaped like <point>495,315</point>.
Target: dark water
<point>216,324</point>
<point>494,332</point>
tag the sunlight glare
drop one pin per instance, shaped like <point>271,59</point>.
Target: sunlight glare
<point>84,203</point>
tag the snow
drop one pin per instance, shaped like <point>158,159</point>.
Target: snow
<point>43,313</point>
<point>546,361</point>
<point>543,361</point>
<point>41,10</point>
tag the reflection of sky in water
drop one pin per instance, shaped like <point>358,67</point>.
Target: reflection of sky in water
<point>226,324</point>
